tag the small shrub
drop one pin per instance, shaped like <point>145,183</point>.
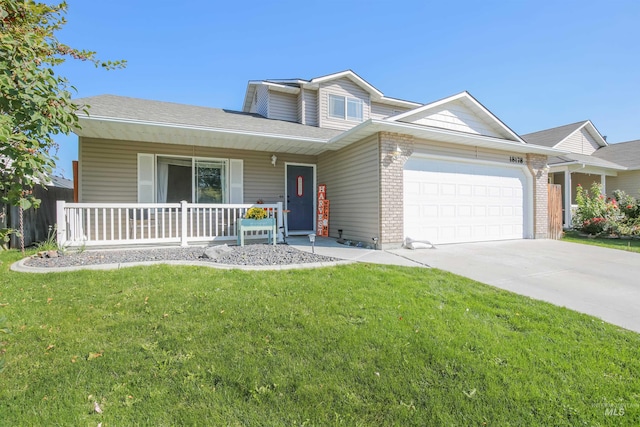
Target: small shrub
<point>51,242</point>
<point>593,225</point>
<point>596,214</point>
<point>629,206</point>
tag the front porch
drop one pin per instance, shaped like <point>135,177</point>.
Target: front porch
<point>569,178</point>
<point>127,224</point>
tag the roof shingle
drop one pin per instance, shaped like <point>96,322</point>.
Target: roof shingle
<point>135,109</point>
<point>624,153</point>
<point>551,137</point>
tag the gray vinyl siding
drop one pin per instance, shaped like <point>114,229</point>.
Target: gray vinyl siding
<point>459,117</point>
<point>310,107</point>
<point>353,189</point>
<point>283,106</point>
<point>584,180</point>
<point>300,107</point>
<point>629,182</point>
<point>580,142</point>
<point>108,169</point>
<point>262,101</point>
<point>341,87</point>
<point>463,152</point>
<point>382,111</point>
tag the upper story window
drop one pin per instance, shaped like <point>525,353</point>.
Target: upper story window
<point>345,108</point>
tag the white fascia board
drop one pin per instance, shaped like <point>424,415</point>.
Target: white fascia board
<point>567,137</point>
<point>425,107</point>
<point>315,83</point>
<point>581,167</point>
<point>372,126</point>
<point>587,164</point>
<point>399,102</point>
<point>596,134</point>
<point>281,88</point>
<point>251,88</point>
<point>462,95</point>
<point>286,81</point>
<point>248,96</point>
<point>202,128</point>
<point>591,129</point>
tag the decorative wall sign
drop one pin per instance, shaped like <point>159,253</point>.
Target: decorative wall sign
<point>322,216</point>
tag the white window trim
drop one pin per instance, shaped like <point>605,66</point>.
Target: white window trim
<point>238,192</point>
<point>346,100</point>
<point>194,190</point>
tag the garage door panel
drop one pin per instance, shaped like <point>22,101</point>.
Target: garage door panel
<point>462,202</point>
<point>465,211</point>
<point>430,211</point>
<point>465,190</point>
<point>447,211</point>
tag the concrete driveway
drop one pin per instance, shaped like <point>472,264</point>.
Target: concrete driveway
<point>598,281</point>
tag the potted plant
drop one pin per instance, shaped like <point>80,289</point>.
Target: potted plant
<point>256,219</point>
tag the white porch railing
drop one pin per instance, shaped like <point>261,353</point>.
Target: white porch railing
<point>100,224</point>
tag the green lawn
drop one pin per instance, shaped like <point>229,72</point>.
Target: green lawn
<point>623,244</point>
<point>356,345</point>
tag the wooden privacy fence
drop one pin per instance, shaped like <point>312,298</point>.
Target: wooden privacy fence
<point>555,211</point>
<point>37,222</point>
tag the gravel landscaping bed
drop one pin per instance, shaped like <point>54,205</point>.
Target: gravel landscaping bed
<point>249,255</point>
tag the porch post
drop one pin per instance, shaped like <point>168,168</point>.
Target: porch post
<point>61,223</point>
<point>603,183</point>
<point>280,223</point>
<point>567,198</point>
<point>184,231</point>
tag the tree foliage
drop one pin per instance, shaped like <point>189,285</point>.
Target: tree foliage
<point>35,102</point>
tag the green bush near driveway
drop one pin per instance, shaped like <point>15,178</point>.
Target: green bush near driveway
<point>598,215</point>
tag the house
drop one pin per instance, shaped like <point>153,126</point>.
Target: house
<point>446,171</point>
<point>588,159</point>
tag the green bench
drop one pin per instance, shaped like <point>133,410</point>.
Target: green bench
<point>267,224</point>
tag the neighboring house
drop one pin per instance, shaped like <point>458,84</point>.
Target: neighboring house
<point>447,171</point>
<point>626,154</point>
<point>588,159</point>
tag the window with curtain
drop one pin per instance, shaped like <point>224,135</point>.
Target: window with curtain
<point>193,180</point>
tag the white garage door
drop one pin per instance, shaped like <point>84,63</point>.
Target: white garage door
<point>451,202</point>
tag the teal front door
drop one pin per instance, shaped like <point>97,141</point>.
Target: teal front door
<point>300,196</point>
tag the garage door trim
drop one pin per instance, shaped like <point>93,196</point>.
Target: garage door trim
<point>528,198</point>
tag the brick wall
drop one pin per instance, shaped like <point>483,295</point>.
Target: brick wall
<point>537,165</point>
<point>391,187</point>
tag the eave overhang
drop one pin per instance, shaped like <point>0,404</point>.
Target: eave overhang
<point>168,133</point>
<point>373,126</point>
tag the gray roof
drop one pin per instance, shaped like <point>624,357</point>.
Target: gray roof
<point>143,110</point>
<point>624,153</point>
<point>59,181</point>
<point>584,159</point>
<point>551,137</point>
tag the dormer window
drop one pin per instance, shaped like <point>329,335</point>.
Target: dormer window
<point>345,108</point>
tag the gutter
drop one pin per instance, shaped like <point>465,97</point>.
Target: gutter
<point>421,131</point>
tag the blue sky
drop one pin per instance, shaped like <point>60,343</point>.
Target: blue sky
<point>534,64</point>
